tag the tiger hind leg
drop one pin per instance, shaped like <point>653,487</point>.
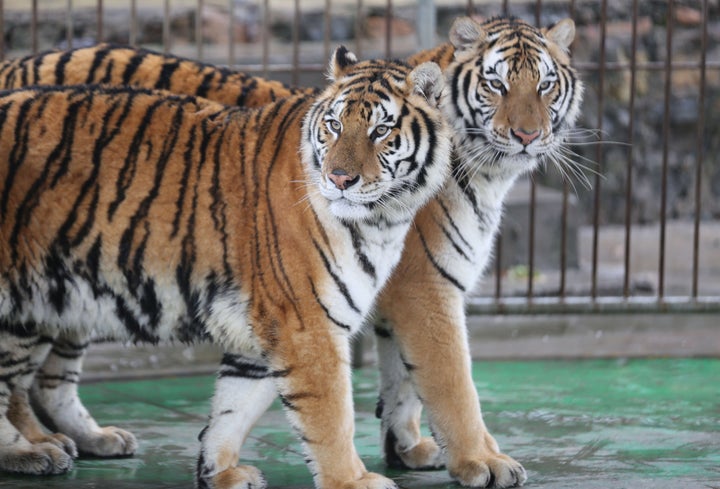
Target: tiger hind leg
<point>55,398</point>
<point>244,390</point>
<point>21,351</point>
<point>399,410</point>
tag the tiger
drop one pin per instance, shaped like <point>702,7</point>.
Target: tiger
<point>147,216</point>
<point>119,65</point>
<point>512,98</point>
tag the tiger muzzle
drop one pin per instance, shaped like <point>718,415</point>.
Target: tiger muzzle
<point>342,179</point>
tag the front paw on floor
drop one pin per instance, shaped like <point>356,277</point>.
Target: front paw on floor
<point>496,471</point>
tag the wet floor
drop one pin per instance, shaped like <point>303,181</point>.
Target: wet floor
<point>573,424</point>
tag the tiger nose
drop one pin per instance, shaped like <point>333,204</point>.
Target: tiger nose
<point>342,180</point>
<point>524,136</point>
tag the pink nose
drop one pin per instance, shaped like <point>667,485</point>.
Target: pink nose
<point>342,180</point>
<point>524,136</point>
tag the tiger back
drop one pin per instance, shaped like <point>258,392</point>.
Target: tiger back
<point>119,65</point>
<point>133,214</point>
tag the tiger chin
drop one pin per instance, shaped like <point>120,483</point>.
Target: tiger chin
<point>141,215</point>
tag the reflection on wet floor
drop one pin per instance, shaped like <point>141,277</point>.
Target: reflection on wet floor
<point>573,424</point>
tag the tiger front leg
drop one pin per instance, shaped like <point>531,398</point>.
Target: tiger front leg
<point>313,378</point>
<point>54,396</point>
<point>21,351</point>
<point>432,346</point>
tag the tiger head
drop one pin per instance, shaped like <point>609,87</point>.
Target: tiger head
<point>375,141</point>
<point>513,94</point>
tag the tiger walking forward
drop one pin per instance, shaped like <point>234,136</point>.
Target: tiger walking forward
<point>134,214</point>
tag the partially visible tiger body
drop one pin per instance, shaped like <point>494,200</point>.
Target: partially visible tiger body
<point>140,215</point>
<point>118,65</point>
<point>512,98</point>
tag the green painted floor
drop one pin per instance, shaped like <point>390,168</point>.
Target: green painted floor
<point>573,424</point>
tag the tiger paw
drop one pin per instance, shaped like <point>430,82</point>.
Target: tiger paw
<point>240,477</point>
<point>371,481</point>
<point>108,442</point>
<point>425,455</point>
<point>497,471</point>
<point>59,440</point>
<point>38,459</point>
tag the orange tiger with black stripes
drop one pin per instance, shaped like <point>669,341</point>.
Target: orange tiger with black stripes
<point>512,97</point>
<point>135,214</point>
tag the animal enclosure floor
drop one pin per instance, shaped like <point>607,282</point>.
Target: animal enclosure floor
<point>573,424</point>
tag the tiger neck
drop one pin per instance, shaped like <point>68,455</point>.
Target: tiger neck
<point>477,200</point>
<point>486,186</point>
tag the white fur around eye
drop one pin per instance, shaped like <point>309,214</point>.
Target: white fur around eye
<point>380,132</point>
<point>334,126</point>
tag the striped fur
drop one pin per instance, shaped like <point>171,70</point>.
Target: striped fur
<point>494,72</point>
<point>134,214</point>
<point>119,65</point>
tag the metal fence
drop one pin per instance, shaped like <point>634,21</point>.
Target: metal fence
<point>645,235</point>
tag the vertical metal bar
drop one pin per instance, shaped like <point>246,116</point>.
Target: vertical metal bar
<point>266,37</point>
<point>498,266</point>
<point>296,44</point>
<point>69,24</point>
<point>231,33</point>
<point>132,38</point>
<point>599,152</point>
<point>531,240</point>
<point>470,8</point>
<point>531,209</point>
<point>630,161</point>
<point>2,26</point>
<point>563,238</point>
<point>33,27</point>
<point>700,149</point>
<point>426,23</point>
<point>665,148</point>
<point>358,29</point>
<point>166,26</point>
<point>388,29</point>
<point>198,29</point>
<point>100,35</point>
<point>327,30</point>
<point>562,289</point>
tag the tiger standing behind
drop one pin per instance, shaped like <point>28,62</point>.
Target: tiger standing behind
<point>118,65</point>
<point>512,98</point>
<point>133,214</point>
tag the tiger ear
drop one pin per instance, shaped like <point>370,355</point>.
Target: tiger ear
<point>340,61</point>
<point>427,80</point>
<point>465,34</point>
<point>562,34</point>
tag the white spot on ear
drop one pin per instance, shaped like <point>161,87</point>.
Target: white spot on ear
<point>340,60</point>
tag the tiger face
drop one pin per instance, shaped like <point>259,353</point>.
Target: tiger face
<point>513,93</point>
<point>376,138</point>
